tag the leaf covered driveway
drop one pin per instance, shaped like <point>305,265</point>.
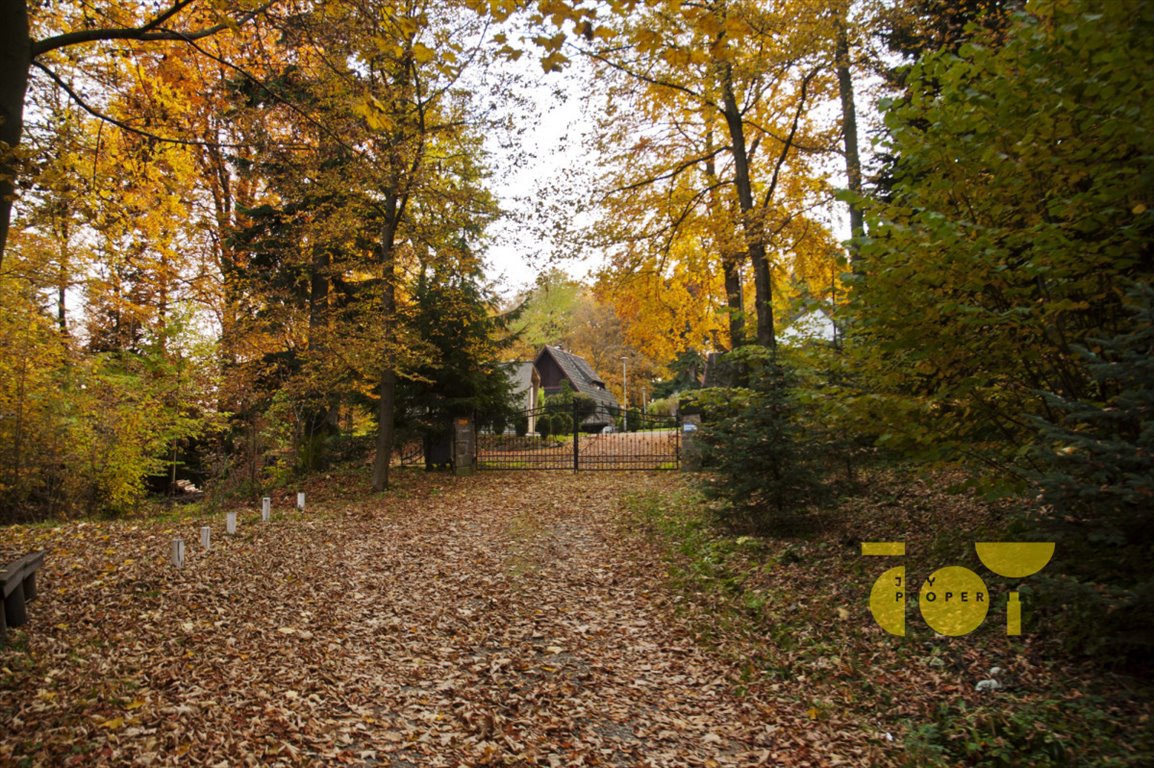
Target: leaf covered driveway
<point>495,620</point>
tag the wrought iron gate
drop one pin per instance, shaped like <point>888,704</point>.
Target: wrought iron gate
<point>602,439</point>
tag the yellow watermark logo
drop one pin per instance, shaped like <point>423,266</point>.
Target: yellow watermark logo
<point>954,600</point>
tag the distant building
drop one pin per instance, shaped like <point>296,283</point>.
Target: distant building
<point>526,382</point>
<point>810,326</point>
<point>556,366</point>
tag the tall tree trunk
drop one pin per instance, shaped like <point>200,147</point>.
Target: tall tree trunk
<point>62,274</point>
<point>15,59</point>
<point>214,169</point>
<point>320,328</point>
<point>387,391</point>
<point>318,297</point>
<point>735,299</point>
<point>395,203</point>
<point>754,231</point>
<point>162,306</point>
<point>849,134</point>
<point>386,410</point>
<point>730,264</point>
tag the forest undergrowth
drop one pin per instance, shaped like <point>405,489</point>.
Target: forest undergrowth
<point>791,614</point>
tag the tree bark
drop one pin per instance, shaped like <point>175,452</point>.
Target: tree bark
<point>64,240</point>
<point>850,137</point>
<point>730,263</point>
<point>754,232</point>
<point>214,168</point>
<point>735,299</point>
<point>15,60</point>
<point>387,391</point>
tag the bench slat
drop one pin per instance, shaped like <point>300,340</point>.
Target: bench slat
<point>18,586</point>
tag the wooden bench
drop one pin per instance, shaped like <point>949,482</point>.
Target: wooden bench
<point>18,586</point>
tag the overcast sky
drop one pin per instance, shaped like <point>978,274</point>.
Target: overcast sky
<point>550,146</point>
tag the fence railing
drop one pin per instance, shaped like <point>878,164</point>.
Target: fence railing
<point>582,437</point>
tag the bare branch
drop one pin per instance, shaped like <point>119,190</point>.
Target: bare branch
<point>673,173</point>
<point>318,124</point>
<point>788,143</point>
<point>645,78</point>
<point>808,148</point>
<point>150,31</point>
<point>176,8</point>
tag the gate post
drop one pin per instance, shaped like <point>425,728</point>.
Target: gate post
<point>690,448</point>
<point>464,445</point>
<point>576,439</point>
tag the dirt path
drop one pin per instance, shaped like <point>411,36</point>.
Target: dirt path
<point>500,620</point>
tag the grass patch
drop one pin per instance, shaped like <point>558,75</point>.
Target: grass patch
<point>1043,732</point>
<point>718,579</point>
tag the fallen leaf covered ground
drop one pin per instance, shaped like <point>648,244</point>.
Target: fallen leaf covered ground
<point>503,619</point>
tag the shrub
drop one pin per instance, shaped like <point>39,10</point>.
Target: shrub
<point>1094,466</point>
<point>663,407</point>
<point>762,452</point>
<point>1095,459</point>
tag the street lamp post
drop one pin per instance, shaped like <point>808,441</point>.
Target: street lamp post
<point>625,395</point>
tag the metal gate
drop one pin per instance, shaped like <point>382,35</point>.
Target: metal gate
<point>568,438</point>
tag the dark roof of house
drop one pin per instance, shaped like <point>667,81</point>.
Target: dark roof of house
<point>579,373</point>
<point>520,373</point>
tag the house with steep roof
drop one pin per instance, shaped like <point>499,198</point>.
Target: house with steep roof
<point>525,382</point>
<point>557,366</point>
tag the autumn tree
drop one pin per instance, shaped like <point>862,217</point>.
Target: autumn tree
<point>106,235</point>
<point>58,201</point>
<point>82,432</point>
<point>32,440</point>
<point>145,188</point>
<point>732,136</point>
<point>544,313</point>
<point>302,257</point>
<point>844,49</point>
<point>30,36</point>
<point>414,55</point>
<point>379,183</point>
